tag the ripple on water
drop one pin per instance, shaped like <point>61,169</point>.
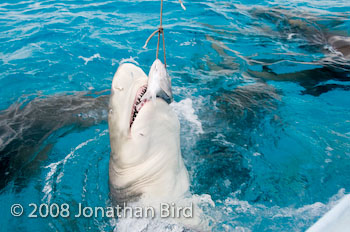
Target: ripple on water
<point>260,91</point>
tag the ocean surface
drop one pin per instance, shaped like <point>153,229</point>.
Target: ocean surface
<point>261,93</point>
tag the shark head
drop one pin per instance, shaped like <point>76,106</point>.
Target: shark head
<point>128,86</point>
<point>131,90</point>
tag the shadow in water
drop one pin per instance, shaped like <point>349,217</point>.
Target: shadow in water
<point>311,32</point>
<point>312,80</point>
<point>233,119</point>
<point>28,129</point>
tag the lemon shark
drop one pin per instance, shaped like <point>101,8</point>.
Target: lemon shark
<point>145,162</point>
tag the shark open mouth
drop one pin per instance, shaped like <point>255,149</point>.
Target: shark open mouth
<point>138,104</point>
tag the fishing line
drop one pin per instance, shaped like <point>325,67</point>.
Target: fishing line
<point>160,31</point>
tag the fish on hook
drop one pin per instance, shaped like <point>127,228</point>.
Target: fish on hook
<point>159,83</point>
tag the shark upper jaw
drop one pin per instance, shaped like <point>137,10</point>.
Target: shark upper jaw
<point>141,98</point>
<point>139,102</point>
<point>129,85</point>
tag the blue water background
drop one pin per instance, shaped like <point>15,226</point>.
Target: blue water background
<point>275,163</point>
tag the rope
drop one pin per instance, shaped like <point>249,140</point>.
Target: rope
<point>160,31</point>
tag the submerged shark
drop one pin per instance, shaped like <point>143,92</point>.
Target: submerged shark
<point>317,30</point>
<point>334,44</point>
<point>312,34</point>
<point>26,129</point>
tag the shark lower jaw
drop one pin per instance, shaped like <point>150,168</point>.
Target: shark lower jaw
<point>138,103</point>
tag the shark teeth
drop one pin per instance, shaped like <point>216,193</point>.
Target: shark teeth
<point>138,103</point>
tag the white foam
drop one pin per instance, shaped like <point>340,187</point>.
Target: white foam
<point>201,202</point>
<point>128,60</point>
<point>188,43</point>
<point>22,53</point>
<point>49,179</point>
<point>184,110</point>
<point>290,35</point>
<point>147,225</point>
<point>91,58</point>
<point>233,214</point>
<point>255,213</point>
<point>256,154</point>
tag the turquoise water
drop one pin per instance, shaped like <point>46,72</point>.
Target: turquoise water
<point>261,94</point>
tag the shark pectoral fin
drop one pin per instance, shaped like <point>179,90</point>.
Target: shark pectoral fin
<point>268,69</point>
